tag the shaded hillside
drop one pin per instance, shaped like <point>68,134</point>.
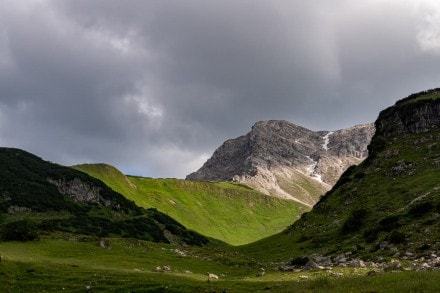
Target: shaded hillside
<point>230,212</point>
<point>282,159</point>
<point>51,197</point>
<point>387,206</point>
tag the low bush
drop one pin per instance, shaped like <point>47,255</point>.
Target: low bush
<point>23,230</point>
<point>389,223</point>
<point>370,235</point>
<point>377,144</point>
<point>354,221</point>
<point>396,237</point>
<point>299,261</point>
<point>420,209</point>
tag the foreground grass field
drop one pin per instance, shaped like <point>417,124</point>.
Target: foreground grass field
<point>229,212</point>
<point>77,264</point>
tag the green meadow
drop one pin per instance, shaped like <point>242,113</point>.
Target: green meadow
<point>72,263</point>
<point>228,212</point>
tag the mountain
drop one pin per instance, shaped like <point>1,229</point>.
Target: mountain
<point>282,159</point>
<point>389,205</point>
<point>226,211</point>
<point>380,217</point>
<point>42,196</point>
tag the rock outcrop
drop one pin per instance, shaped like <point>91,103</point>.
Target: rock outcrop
<point>78,190</point>
<point>415,114</point>
<point>282,159</point>
<point>390,204</point>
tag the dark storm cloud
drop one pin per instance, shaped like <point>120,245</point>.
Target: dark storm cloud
<point>154,86</point>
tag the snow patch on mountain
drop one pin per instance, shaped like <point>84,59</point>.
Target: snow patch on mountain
<point>286,160</point>
<point>312,170</point>
<point>326,140</point>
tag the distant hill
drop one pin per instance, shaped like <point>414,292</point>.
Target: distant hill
<point>389,205</point>
<point>229,212</point>
<point>49,197</point>
<point>285,160</point>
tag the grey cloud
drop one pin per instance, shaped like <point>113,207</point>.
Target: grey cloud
<point>154,86</point>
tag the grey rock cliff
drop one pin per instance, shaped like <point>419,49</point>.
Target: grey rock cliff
<point>414,114</point>
<point>80,191</point>
<point>286,160</point>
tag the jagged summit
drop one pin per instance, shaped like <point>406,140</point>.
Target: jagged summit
<point>282,159</point>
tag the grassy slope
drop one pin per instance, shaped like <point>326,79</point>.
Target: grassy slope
<point>67,265</point>
<point>302,186</point>
<point>228,212</point>
<point>393,196</point>
<point>385,195</point>
<point>27,194</point>
<point>429,95</point>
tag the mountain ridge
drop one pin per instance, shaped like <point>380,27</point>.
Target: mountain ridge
<point>386,207</point>
<point>282,159</point>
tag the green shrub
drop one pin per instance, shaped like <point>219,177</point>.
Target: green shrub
<point>420,209</point>
<point>396,237</point>
<point>354,221</point>
<point>377,144</point>
<point>386,224</point>
<point>423,247</point>
<point>22,230</point>
<point>371,234</point>
<point>359,175</point>
<point>389,223</point>
<point>299,261</point>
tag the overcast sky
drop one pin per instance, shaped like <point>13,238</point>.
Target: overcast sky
<point>153,87</point>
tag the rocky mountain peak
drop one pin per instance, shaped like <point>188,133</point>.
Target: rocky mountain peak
<point>283,159</point>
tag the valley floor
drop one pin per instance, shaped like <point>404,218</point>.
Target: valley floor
<point>64,263</point>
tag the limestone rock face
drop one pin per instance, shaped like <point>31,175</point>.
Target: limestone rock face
<point>282,159</point>
<point>415,114</point>
<point>80,191</point>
